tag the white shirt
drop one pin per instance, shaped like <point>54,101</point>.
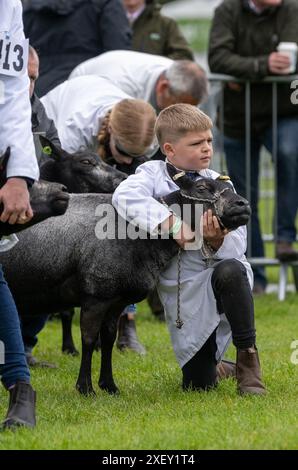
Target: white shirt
<point>15,108</point>
<point>136,73</point>
<point>78,108</point>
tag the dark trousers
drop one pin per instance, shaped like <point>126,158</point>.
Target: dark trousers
<point>234,298</point>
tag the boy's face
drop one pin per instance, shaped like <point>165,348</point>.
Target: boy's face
<point>193,151</point>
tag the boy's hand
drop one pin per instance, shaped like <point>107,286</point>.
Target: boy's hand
<point>212,232</point>
<point>184,236</point>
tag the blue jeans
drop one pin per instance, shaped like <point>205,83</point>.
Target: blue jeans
<point>15,365</point>
<point>287,177</point>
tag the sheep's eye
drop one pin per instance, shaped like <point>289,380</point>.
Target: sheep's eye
<point>86,162</point>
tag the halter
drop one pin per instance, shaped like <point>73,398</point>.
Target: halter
<point>179,321</point>
<point>210,200</point>
<point>202,200</point>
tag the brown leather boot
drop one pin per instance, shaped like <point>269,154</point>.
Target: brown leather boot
<point>127,336</point>
<point>248,372</point>
<point>225,369</point>
<point>21,409</point>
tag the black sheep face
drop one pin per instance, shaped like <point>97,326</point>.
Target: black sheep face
<point>80,172</point>
<point>46,199</point>
<point>231,209</point>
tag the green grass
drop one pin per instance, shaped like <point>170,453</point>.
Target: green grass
<point>196,32</point>
<point>152,412</point>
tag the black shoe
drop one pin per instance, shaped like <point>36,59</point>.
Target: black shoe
<point>285,252</point>
<point>258,289</point>
<point>127,336</point>
<point>21,409</point>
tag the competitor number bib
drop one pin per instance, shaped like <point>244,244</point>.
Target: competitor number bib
<point>13,56</point>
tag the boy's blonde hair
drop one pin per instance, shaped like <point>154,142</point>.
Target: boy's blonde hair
<point>132,122</point>
<point>179,119</point>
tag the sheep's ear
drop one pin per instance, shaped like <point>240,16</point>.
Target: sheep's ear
<point>4,160</point>
<point>179,177</point>
<point>50,149</point>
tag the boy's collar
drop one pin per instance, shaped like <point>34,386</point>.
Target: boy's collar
<point>181,169</point>
<point>191,174</point>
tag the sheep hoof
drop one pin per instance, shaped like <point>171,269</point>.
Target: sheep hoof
<point>72,351</point>
<point>86,390</point>
<point>109,387</point>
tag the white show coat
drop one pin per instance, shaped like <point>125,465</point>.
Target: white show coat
<point>135,198</point>
<point>15,108</point>
<point>135,73</point>
<point>78,108</point>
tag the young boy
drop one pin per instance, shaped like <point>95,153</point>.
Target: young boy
<point>215,296</point>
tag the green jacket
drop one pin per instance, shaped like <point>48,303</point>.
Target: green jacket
<point>240,44</point>
<point>157,34</point>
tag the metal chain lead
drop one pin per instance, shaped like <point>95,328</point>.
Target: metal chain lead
<point>179,322</point>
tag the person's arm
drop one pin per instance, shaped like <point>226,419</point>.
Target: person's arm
<point>113,26</point>
<point>176,48</point>
<point>222,57</point>
<point>134,201</point>
<point>15,125</point>
<point>15,132</point>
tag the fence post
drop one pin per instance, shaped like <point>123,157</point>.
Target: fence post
<point>274,154</point>
<point>2,353</point>
<point>248,157</point>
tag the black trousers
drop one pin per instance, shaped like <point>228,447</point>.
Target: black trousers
<point>234,298</point>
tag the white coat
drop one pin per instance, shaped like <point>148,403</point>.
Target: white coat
<point>15,108</point>
<point>136,198</point>
<point>78,108</point>
<point>135,73</point>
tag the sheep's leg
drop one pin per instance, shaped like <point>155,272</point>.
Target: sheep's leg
<point>108,333</point>
<point>68,346</point>
<point>92,313</point>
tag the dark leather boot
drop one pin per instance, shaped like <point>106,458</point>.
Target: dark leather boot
<point>127,336</point>
<point>21,409</point>
<point>248,372</point>
<point>285,252</point>
<point>225,369</point>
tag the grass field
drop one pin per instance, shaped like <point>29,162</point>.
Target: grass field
<point>152,412</point>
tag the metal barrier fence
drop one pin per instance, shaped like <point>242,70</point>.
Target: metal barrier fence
<point>272,81</point>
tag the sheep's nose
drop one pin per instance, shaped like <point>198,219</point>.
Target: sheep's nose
<point>241,203</point>
<point>63,188</point>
